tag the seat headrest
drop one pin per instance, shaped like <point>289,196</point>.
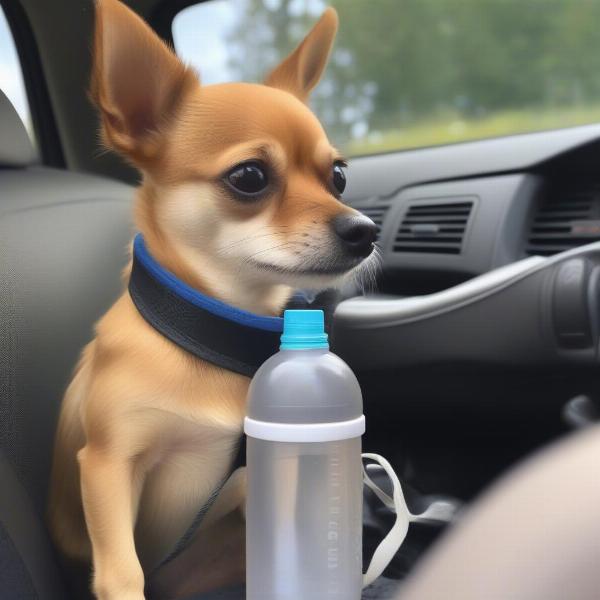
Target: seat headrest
<point>16,149</point>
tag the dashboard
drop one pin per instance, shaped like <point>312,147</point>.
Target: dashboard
<point>450,213</point>
<point>490,279</point>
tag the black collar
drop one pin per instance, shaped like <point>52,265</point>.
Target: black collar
<point>228,337</point>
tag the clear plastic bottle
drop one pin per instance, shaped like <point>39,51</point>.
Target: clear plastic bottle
<point>304,506</point>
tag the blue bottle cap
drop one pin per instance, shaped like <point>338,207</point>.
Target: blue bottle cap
<point>303,330</point>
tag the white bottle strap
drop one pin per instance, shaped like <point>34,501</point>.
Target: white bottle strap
<point>385,552</point>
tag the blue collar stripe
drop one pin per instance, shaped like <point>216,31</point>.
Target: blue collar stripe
<point>212,305</point>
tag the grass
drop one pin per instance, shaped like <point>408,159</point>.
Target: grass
<point>451,128</point>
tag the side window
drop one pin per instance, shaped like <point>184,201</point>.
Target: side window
<point>242,40</point>
<point>11,75</point>
<point>415,73</point>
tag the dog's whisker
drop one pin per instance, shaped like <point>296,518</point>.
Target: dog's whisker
<point>277,247</point>
<point>249,238</point>
<point>365,275</point>
<point>291,237</point>
<point>251,257</point>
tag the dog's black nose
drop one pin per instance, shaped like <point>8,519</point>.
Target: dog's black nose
<point>356,232</point>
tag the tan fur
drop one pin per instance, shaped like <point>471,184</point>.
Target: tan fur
<point>147,431</point>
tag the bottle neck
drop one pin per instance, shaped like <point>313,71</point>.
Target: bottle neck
<point>315,351</point>
<point>303,330</point>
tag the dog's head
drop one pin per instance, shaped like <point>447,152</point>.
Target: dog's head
<point>241,185</point>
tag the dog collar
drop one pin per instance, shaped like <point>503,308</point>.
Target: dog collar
<point>212,330</point>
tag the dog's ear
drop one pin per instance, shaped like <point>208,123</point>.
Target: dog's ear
<point>137,82</point>
<point>300,72</point>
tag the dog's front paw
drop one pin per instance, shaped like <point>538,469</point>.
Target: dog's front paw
<point>104,591</point>
<point>119,585</point>
<point>120,595</point>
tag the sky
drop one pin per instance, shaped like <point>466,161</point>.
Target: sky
<point>200,33</point>
<point>11,79</point>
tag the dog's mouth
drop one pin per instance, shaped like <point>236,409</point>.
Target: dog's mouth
<point>325,271</point>
<point>331,268</point>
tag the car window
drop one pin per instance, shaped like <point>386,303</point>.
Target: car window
<point>11,75</point>
<point>417,72</point>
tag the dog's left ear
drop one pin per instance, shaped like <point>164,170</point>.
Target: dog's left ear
<point>300,72</point>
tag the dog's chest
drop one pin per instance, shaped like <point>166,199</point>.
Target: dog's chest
<point>183,470</point>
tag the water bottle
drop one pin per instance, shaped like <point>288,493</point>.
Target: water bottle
<point>304,505</point>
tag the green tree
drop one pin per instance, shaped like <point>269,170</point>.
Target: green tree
<point>397,62</point>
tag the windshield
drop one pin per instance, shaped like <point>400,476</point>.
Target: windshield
<point>411,73</point>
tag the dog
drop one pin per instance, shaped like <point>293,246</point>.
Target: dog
<point>240,199</point>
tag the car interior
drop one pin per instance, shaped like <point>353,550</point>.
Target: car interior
<point>476,347</point>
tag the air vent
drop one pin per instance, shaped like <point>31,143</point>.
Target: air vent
<point>434,228</point>
<point>565,221</point>
<point>376,214</point>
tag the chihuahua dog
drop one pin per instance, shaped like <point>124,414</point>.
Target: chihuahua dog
<point>240,199</point>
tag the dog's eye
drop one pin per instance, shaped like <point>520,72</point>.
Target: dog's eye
<point>339,177</point>
<point>249,179</point>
